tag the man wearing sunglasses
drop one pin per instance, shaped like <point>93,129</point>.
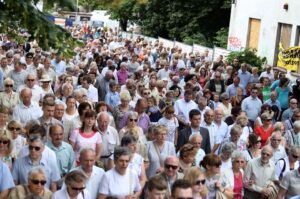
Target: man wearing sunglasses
<point>182,189</point>
<point>170,173</point>
<point>35,158</point>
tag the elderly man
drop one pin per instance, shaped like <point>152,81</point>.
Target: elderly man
<point>35,158</point>
<point>231,89</point>
<point>196,141</point>
<point>244,75</point>
<point>170,173</point>
<point>259,174</point>
<point>183,107</point>
<point>182,189</point>
<point>220,124</point>
<point>109,135</point>
<point>30,82</point>
<point>59,111</point>
<point>290,185</point>
<point>288,113</point>
<point>27,110</point>
<point>64,152</point>
<point>273,101</point>
<point>6,180</point>
<point>94,174</point>
<point>102,84</point>
<point>278,149</point>
<point>194,128</point>
<point>289,123</point>
<point>292,136</point>
<point>80,95</point>
<point>67,90</point>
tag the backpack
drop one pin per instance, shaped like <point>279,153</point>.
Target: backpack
<point>283,168</point>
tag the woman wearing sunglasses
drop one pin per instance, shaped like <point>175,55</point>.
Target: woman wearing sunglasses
<point>9,99</point>
<point>6,147</point>
<point>234,175</point>
<point>35,186</point>
<point>197,178</point>
<point>18,140</point>
<point>254,145</point>
<point>75,187</point>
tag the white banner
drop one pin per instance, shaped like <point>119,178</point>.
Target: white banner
<point>220,51</point>
<point>185,48</point>
<point>166,43</point>
<point>202,49</point>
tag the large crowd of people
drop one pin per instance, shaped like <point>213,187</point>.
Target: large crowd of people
<point>130,118</point>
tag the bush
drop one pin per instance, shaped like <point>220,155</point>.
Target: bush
<point>247,56</point>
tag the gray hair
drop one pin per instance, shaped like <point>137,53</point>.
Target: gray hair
<point>277,126</point>
<point>75,176</point>
<point>84,150</point>
<point>66,84</point>
<point>228,147</point>
<point>7,80</point>
<point>80,91</point>
<point>294,149</point>
<point>297,125</point>
<point>236,155</point>
<point>132,114</point>
<point>195,136</point>
<point>224,96</point>
<point>125,95</point>
<point>120,150</point>
<point>36,170</point>
<point>102,114</point>
<point>236,129</point>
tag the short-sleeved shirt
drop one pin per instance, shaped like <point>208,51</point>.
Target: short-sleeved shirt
<point>116,185</point>
<point>82,141</point>
<point>6,179</point>
<point>171,125</point>
<point>291,183</point>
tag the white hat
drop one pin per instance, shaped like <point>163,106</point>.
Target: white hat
<point>45,78</point>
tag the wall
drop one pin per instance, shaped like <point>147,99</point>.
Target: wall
<point>270,12</point>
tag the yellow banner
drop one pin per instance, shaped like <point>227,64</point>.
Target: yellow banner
<point>289,58</point>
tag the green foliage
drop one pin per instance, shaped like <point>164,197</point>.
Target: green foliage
<point>90,5</point>
<point>22,14</point>
<point>247,56</point>
<point>221,37</point>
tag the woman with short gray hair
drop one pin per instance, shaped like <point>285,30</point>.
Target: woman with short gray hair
<point>120,181</point>
<point>292,136</point>
<point>225,155</point>
<point>234,175</point>
<point>225,104</point>
<point>35,186</point>
<point>124,107</point>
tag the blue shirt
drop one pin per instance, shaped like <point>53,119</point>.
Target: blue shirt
<point>276,103</point>
<point>23,165</point>
<point>252,107</point>
<point>64,155</point>
<point>6,180</point>
<point>231,90</point>
<point>59,68</point>
<point>283,97</point>
<point>112,99</point>
<point>245,78</point>
<point>1,79</point>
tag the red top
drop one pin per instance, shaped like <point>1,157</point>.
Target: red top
<point>238,186</point>
<point>264,135</point>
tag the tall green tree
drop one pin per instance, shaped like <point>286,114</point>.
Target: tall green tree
<point>22,14</point>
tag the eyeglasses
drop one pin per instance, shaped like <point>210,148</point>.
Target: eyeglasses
<point>78,188</point>
<point>31,80</point>
<point>184,198</point>
<point>36,182</point>
<point>4,141</point>
<point>9,57</point>
<point>295,156</point>
<point>146,93</point>
<point>198,182</point>
<point>46,82</point>
<point>8,85</point>
<point>131,120</point>
<point>168,166</point>
<point>258,141</point>
<point>36,148</point>
<point>14,129</point>
<point>297,115</point>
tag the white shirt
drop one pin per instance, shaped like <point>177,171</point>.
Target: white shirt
<point>182,108</point>
<point>24,114</point>
<point>64,194</point>
<point>110,139</point>
<point>92,93</point>
<point>116,185</point>
<point>213,133</point>
<point>278,153</point>
<point>280,164</point>
<point>94,181</point>
<point>171,125</point>
<point>37,92</point>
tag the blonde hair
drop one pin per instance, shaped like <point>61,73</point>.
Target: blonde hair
<point>159,128</point>
<point>191,175</point>
<point>5,135</point>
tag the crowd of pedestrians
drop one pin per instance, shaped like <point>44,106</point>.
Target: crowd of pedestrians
<point>129,118</point>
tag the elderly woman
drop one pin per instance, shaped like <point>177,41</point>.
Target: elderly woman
<point>293,136</point>
<point>225,104</point>
<point>197,179</point>
<point>36,186</point>
<point>235,134</point>
<point>120,110</point>
<point>266,129</point>
<point>242,120</point>
<point>158,150</point>
<point>15,129</point>
<point>9,98</point>
<point>120,181</point>
<point>234,175</point>
<point>279,126</point>
<point>187,154</point>
<point>212,163</point>
<point>291,162</point>
<point>225,155</point>
<point>87,135</point>
<point>75,187</point>
<point>6,146</point>
<point>254,145</point>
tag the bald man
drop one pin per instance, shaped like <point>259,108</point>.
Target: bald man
<point>27,110</point>
<point>259,173</point>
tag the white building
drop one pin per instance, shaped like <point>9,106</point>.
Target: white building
<point>262,24</point>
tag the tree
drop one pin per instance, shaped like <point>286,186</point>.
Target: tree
<point>22,14</point>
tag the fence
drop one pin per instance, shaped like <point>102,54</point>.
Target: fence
<point>215,52</point>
